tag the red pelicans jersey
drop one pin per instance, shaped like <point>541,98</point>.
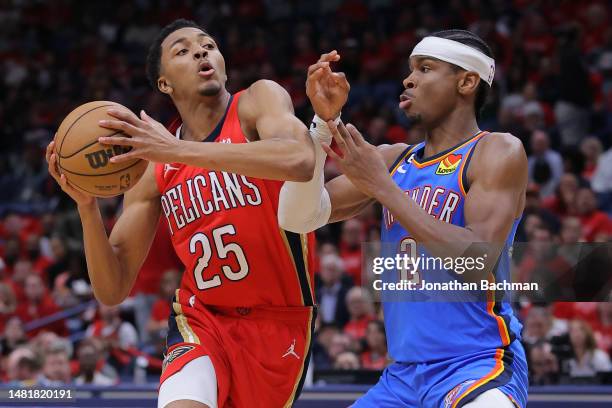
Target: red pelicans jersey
<point>224,229</point>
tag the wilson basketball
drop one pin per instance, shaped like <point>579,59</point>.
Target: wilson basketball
<point>85,162</point>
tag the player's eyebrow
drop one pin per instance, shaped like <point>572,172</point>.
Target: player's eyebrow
<point>183,39</point>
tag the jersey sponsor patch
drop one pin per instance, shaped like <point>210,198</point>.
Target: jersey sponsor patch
<point>455,393</point>
<point>174,354</point>
<point>448,165</point>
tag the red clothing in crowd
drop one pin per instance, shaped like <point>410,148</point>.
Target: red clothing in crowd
<point>161,310</point>
<point>28,312</point>
<point>594,224</point>
<point>371,362</point>
<point>357,328</point>
<point>352,262</point>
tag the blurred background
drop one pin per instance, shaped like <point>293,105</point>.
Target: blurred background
<point>552,89</point>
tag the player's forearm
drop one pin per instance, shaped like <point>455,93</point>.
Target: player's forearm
<point>103,266</point>
<point>275,159</point>
<point>438,237</point>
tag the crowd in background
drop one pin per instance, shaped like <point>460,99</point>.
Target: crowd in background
<point>552,89</point>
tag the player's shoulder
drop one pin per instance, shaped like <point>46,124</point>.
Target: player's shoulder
<point>502,143</point>
<point>264,95</point>
<point>391,152</point>
<point>499,153</point>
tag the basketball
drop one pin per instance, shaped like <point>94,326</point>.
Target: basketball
<point>86,162</point>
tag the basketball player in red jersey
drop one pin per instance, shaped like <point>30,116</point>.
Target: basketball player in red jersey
<point>239,334</point>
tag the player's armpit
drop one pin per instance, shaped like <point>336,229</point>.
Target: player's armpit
<point>346,200</point>
<point>113,268</point>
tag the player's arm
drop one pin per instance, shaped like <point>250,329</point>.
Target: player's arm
<point>113,263</point>
<point>495,198</point>
<point>280,149</point>
<point>347,201</point>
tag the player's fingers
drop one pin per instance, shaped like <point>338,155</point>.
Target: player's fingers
<point>49,150</point>
<point>350,143</point>
<point>52,166</point>
<point>146,118</point>
<point>133,154</point>
<point>126,116</point>
<point>355,135</point>
<point>120,125</point>
<point>330,152</point>
<point>118,140</point>
<point>330,56</point>
<point>316,66</point>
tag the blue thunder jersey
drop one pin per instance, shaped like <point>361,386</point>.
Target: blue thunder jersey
<point>420,331</point>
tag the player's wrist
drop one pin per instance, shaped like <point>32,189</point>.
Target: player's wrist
<point>320,130</point>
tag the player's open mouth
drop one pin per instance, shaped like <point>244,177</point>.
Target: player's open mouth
<point>206,70</point>
<point>405,101</point>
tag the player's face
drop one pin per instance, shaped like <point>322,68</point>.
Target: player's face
<point>430,91</point>
<point>191,62</point>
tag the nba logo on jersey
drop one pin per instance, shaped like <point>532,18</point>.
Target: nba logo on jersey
<point>451,397</point>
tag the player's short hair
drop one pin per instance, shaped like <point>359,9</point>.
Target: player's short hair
<point>155,51</point>
<point>471,40</point>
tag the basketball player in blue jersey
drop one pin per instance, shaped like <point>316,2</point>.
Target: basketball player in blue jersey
<point>459,188</point>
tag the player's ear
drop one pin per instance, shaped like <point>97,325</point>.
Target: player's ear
<point>468,83</point>
<point>163,85</point>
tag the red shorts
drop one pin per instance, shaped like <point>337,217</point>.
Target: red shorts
<point>260,354</point>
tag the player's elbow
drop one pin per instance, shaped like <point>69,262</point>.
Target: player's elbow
<point>301,167</point>
<point>109,298</point>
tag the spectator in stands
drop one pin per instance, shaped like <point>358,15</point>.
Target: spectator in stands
<point>543,364</point>
<point>331,289</point>
<point>56,365</point>
<point>375,357</point>
<point>339,344</point>
<point>347,361</point>
<point>591,148</point>
<point>541,325</point>
<point>588,359</point>
<point>23,367</point>
<point>571,235</point>
<point>545,164</point>
<point>115,332</point>
<point>603,327</point>
<point>158,321</point>
<point>322,343</point>
<point>8,303</point>
<point>563,203</point>
<point>350,248</point>
<point>361,311</point>
<point>90,363</point>
<point>602,180</point>
<point>39,304</point>
<point>13,335</point>
<point>596,224</point>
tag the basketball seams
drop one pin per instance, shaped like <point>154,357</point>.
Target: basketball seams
<point>103,174</point>
<point>79,118</point>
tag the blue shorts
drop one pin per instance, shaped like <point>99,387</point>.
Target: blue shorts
<point>451,383</point>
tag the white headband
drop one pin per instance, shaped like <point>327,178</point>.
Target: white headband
<point>459,54</point>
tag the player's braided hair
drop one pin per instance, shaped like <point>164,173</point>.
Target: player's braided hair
<point>155,51</point>
<point>470,39</point>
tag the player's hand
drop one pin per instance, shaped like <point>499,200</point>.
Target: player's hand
<point>327,90</point>
<point>82,199</point>
<point>360,161</point>
<point>148,139</point>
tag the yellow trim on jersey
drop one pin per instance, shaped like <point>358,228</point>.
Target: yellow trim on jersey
<point>494,373</point>
<point>289,402</point>
<point>403,157</point>
<point>290,253</point>
<point>438,159</point>
<point>304,239</point>
<point>187,333</point>
<point>501,323</point>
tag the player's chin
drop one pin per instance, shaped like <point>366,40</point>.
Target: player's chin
<point>210,88</point>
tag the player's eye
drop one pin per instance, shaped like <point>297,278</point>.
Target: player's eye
<point>182,52</point>
<point>425,69</point>
<point>209,46</point>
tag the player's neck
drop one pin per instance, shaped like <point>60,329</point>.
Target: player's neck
<point>201,115</point>
<point>457,127</point>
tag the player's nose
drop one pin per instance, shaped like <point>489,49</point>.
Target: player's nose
<point>200,54</point>
<point>408,82</point>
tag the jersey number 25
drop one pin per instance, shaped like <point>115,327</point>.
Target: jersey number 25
<point>223,250</point>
